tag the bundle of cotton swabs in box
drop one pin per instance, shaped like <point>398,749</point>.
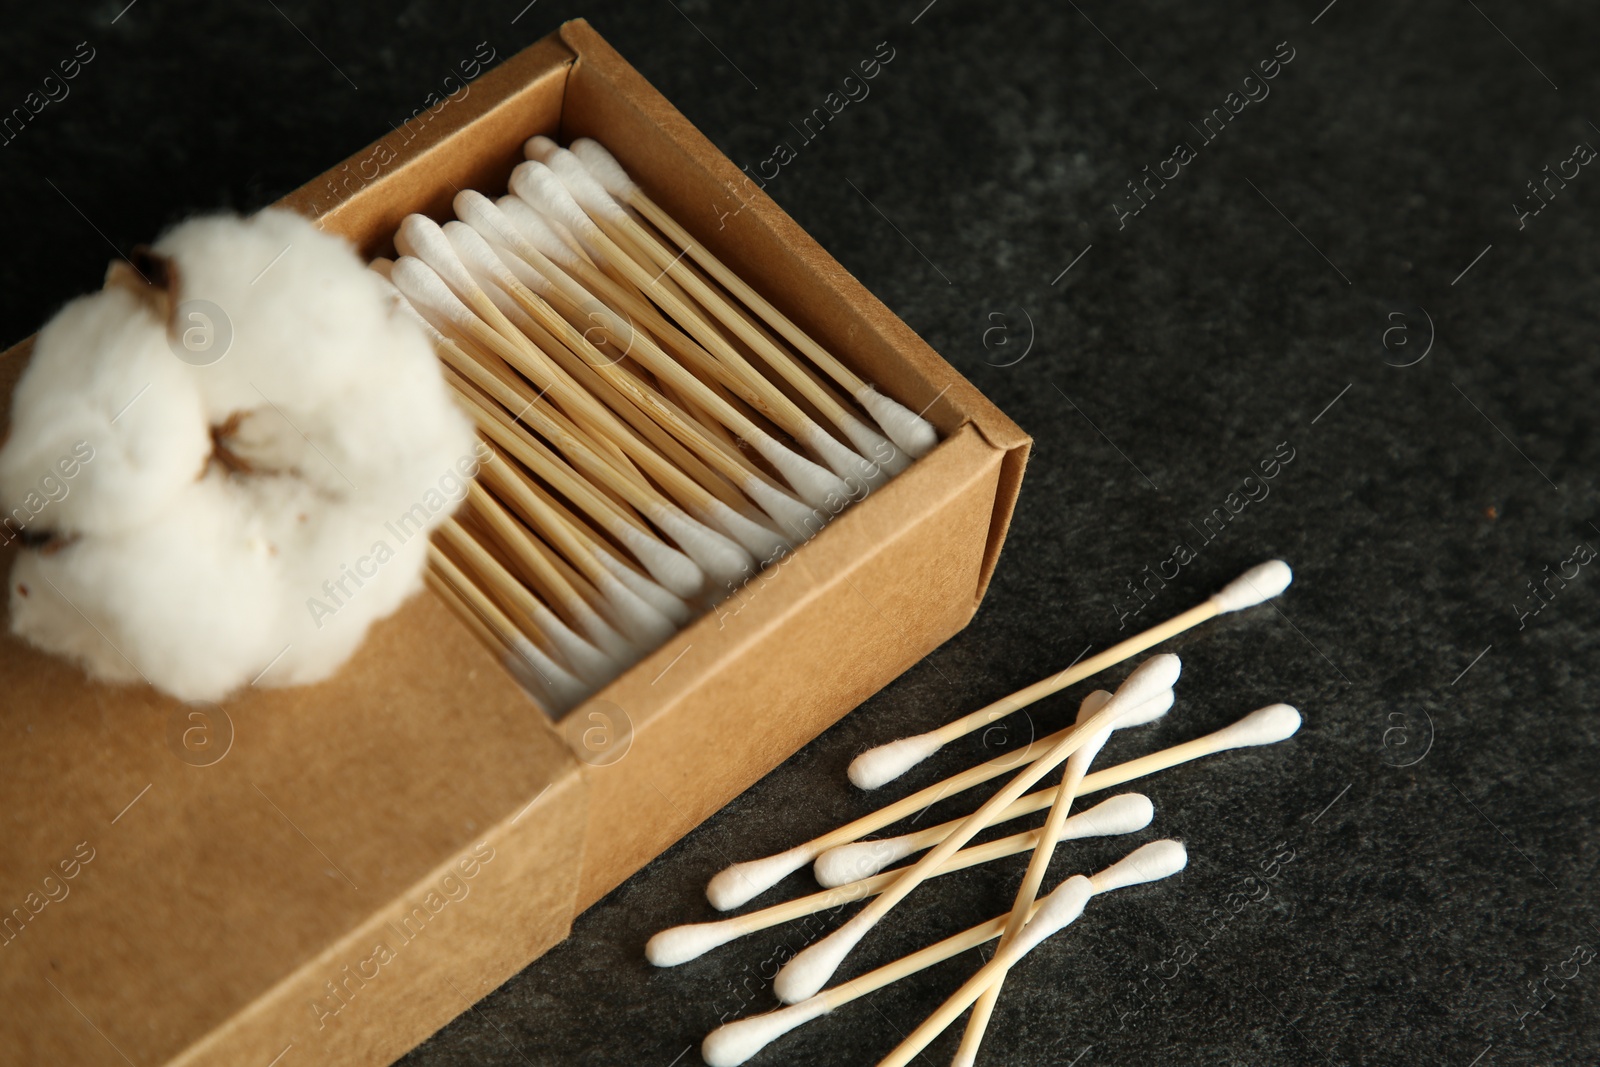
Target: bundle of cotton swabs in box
<point>847,863</point>
<point>662,431</point>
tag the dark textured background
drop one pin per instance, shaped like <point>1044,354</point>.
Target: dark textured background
<point>1441,819</point>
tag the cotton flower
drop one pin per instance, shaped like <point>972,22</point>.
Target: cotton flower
<point>251,509</point>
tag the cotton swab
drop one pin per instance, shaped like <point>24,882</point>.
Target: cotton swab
<point>740,882</point>
<point>913,434</point>
<point>631,614</point>
<point>1264,726</point>
<point>1125,814</point>
<point>713,553</point>
<point>810,969</point>
<point>1159,859</point>
<point>1038,863</point>
<point>613,579</point>
<point>734,1043</point>
<point>525,237</point>
<point>885,763</point>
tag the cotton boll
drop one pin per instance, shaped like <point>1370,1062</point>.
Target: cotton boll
<point>105,399</point>
<point>188,601</point>
<point>253,514</point>
<point>301,308</point>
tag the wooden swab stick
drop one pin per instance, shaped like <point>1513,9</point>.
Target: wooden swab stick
<point>658,259</point>
<point>1159,859</point>
<point>707,548</point>
<point>739,882</point>
<point>810,969</point>
<point>533,239</point>
<point>537,184</point>
<point>1038,863</point>
<point>647,412</point>
<point>1124,814</point>
<point>554,685</point>
<point>1264,726</point>
<point>522,243</point>
<point>885,763</point>
<point>905,428</point>
<point>734,1043</point>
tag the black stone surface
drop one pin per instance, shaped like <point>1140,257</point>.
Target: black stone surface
<point>1440,804</point>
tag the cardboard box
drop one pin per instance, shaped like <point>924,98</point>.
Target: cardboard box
<point>329,874</point>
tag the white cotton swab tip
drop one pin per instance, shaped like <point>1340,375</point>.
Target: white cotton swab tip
<point>667,565</point>
<point>914,434</point>
<point>544,192</point>
<point>736,1042</point>
<point>1264,726</point>
<point>605,168</point>
<point>1255,586</point>
<point>884,764</point>
<point>742,882</point>
<point>680,944</point>
<point>1060,909</point>
<point>1149,711</point>
<point>721,559</point>
<point>844,864</point>
<point>1126,813</point>
<point>806,973</point>
<point>1147,863</point>
<point>1147,680</point>
<point>589,194</point>
<point>424,239</point>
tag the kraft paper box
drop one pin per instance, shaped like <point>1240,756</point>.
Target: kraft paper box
<point>329,874</point>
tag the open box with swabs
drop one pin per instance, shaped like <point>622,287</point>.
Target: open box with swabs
<point>331,873</point>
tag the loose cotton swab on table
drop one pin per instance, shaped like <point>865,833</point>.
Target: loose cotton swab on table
<point>908,430</point>
<point>1157,860</point>
<point>885,763</point>
<point>1124,814</point>
<point>740,882</point>
<point>1265,726</point>
<point>811,968</point>
<point>734,1043</point>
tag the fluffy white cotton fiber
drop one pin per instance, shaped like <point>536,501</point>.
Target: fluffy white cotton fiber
<point>227,516</point>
